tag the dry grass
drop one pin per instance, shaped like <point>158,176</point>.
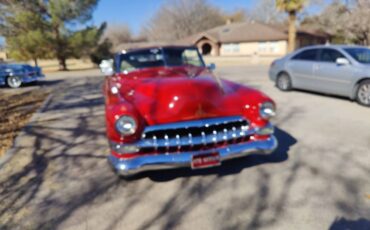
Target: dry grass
<point>50,66</point>
<point>16,109</point>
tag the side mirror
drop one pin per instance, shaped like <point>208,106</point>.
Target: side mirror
<point>342,61</point>
<point>106,67</point>
<point>211,66</point>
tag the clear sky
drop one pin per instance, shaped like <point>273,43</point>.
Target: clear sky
<point>136,12</point>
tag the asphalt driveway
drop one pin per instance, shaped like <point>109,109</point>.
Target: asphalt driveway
<point>318,178</point>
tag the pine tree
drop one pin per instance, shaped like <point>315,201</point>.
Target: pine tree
<point>49,28</point>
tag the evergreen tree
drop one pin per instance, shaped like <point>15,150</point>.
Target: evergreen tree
<point>49,28</point>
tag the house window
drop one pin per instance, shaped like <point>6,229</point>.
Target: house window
<point>268,47</point>
<point>262,47</point>
<point>232,48</point>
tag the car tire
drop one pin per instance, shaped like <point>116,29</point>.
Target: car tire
<point>363,93</point>
<point>283,82</point>
<point>13,81</point>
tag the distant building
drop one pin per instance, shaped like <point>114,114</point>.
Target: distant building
<point>250,38</point>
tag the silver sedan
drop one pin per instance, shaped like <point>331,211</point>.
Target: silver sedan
<point>331,69</point>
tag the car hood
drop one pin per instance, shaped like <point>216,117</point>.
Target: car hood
<point>17,66</point>
<point>172,99</point>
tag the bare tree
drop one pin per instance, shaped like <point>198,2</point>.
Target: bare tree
<point>331,19</point>
<point>180,18</point>
<point>358,21</point>
<point>118,34</point>
<point>265,11</point>
<point>239,15</point>
<point>347,21</point>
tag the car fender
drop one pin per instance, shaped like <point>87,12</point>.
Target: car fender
<point>356,85</point>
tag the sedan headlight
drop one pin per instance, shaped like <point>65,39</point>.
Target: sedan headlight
<point>126,125</point>
<point>267,110</point>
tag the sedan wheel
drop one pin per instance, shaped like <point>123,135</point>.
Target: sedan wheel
<point>14,81</point>
<point>363,93</point>
<point>283,82</point>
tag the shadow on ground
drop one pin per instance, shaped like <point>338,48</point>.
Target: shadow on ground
<point>345,224</point>
<point>324,94</point>
<point>59,178</point>
<point>62,145</point>
<point>26,86</point>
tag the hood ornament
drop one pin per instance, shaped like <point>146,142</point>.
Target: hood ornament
<point>200,111</point>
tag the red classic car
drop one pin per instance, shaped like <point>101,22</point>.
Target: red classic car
<point>166,109</point>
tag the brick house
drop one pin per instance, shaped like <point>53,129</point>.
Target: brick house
<point>250,38</point>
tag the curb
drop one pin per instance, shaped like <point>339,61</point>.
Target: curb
<point>12,151</point>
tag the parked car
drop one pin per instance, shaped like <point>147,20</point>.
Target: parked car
<point>14,75</point>
<point>166,109</point>
<point>333,69</point>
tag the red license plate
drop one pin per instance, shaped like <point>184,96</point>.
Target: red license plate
<point>205,160</point>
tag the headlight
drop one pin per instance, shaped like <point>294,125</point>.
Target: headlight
<point>267,110</point>
<point>126,125</point>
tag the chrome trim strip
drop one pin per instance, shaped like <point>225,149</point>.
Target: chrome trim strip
<point>163,161</point>
<point>195,123</point>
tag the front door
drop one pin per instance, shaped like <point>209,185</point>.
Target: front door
<point>333,78</point>
<point>301,69</point>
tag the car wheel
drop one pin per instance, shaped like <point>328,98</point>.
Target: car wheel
<point>363,93</point>
<point>14,81</point>
<point>283,82</point>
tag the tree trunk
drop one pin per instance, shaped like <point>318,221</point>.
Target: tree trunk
<point>292,31</point>
<point>367,39</point>
<point>59,48</point>
<point>35,61</point>
<point>62,64</point>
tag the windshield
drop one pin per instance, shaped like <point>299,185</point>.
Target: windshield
<point>361,55</point>
<point>160,57</point>
<point>180,56</point>
<point>141,59</point>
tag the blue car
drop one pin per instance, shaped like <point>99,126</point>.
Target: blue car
<point>14,75</point>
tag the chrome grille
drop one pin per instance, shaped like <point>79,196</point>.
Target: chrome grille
<point>194,135</point>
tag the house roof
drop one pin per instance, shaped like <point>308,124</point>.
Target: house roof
<point>250,31</point>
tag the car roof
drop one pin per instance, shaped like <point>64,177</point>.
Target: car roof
<point>157,47</point>
<point>338,46</point>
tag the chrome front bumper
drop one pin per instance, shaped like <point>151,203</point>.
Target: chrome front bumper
<point>176,160</point>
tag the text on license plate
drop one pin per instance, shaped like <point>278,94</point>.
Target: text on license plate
<point>205,160</point>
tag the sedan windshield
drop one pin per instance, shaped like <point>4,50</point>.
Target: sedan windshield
<point>160,57</point>
<point>361,55</point>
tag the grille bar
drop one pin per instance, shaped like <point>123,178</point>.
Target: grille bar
<point>196,123</point>
<point>187,135</point>
<point>198,140</point>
